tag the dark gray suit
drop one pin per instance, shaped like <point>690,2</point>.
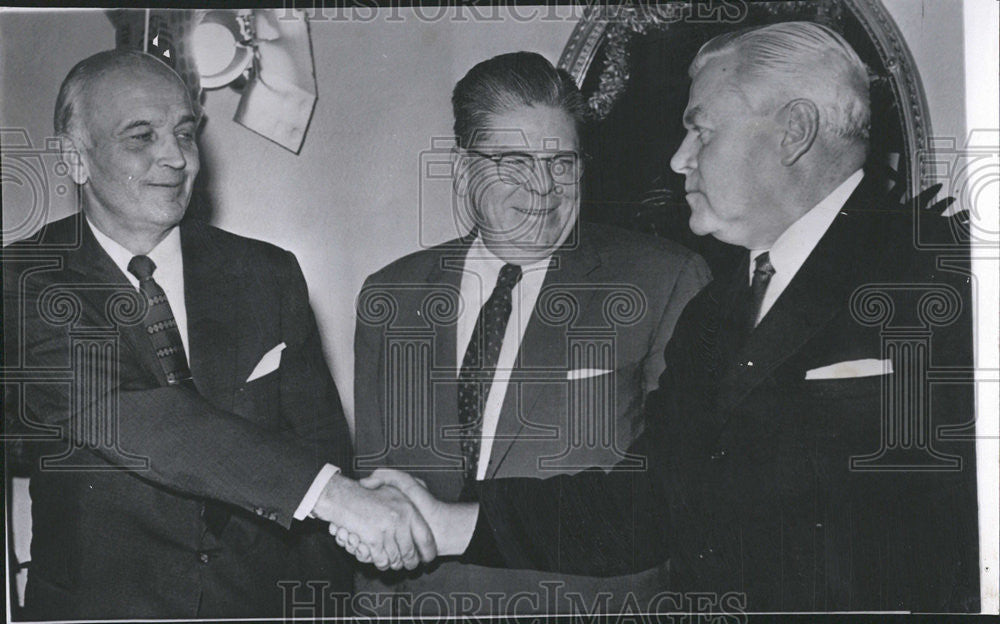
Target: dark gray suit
<point>118,526</point>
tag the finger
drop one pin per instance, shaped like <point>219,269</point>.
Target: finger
<point>411,559</point>
<point>391,545</point>
<point>423,538</point>
<point>379,559</point>
<point>395,478</point>
<point>353,540</point>
<point>332,529</point>
<point>363,553</point>
<point>371,482</point>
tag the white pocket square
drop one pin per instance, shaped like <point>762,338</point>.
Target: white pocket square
<point>853,368</point>
<point>268,364</point>
<point>586,373</point>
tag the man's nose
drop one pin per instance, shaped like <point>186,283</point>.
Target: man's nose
<point>683,160</point>
<point>171,154</point>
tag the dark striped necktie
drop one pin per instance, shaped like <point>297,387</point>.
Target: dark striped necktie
<point>478,369</point>
<point>160,323</point>
<point>762,272</point>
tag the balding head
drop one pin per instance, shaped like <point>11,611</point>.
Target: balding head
<point>127,127</point>
<point>79,82</point>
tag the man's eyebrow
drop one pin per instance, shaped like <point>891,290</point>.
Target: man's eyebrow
<point>136,124</point>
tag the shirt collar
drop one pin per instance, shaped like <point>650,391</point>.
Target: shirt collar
<point>165,255</point>
<point>790,251</point>
<point>482,253</point>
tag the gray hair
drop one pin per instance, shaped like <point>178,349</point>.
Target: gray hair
<point>799,59</point>
<point>506,82</point>
<point>92,68</point>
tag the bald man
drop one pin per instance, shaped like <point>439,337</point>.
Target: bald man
<point>195,429</point>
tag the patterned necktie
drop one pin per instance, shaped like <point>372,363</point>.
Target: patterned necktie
<point>762,273</point>
<point>478,367</point>
<point>160,323</point>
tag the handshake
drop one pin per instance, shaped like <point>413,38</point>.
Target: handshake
<point>390,520</point>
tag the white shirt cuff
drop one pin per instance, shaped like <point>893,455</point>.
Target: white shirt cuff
<point>312,494</point>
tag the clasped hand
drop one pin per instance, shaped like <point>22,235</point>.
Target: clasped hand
<point>383,519</point>
<point>416,519</point>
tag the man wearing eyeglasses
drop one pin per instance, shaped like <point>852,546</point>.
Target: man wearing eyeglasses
<point>521,349</point>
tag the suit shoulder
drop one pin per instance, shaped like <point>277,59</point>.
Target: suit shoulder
<point>64,232</point>
<point>243,248</point>
<point>416,265</point>
<point>617,244</point>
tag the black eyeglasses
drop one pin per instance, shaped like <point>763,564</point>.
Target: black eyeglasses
<point>564,167</point>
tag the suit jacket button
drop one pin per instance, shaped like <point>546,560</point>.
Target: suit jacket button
<point>204,557</point>
<point>719,454</point>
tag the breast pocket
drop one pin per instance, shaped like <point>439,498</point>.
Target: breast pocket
<point>846,388</point>
<point>260,400</point>
<point>846,413</point>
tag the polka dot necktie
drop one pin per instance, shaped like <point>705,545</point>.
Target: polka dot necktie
<point>478,367</point>
<point>160,323</point>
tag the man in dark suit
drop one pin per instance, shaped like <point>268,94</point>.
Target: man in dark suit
<point>582,343</point>
<point>171,383</point>
<point>798,456</point>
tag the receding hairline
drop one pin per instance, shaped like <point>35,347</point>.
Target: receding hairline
<point>99,68</point>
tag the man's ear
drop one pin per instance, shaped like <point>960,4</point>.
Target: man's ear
<point>70,149</point>
<point>801,122</point>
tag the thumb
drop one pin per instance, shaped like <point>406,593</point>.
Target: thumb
<point>396,478</point>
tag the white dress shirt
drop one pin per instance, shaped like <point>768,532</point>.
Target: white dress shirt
<point>479,277</point>
<point>169,274</point>
<point>790,251</point>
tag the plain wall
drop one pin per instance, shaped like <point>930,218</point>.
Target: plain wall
<point>352,200</point>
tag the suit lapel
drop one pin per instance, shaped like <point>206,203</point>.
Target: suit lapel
<point>91,261</point>
<point>545,347</point>
<point>214,300</point>
<point>815,295</point>
<point>446,272</point>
